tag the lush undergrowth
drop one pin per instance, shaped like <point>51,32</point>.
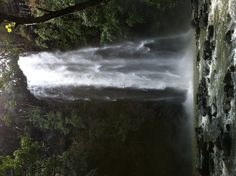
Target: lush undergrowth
<point>51,138</point>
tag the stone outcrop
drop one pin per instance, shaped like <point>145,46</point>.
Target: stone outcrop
<point>215,96</point>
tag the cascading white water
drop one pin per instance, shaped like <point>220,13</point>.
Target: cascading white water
<point>153,64</point>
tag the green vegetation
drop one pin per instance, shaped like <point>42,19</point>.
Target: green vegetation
<point>51,138</point>
<point>46,138</point>
<point>109,22</point>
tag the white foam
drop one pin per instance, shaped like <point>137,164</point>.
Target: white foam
<point>85,68</point>
<point>232,11</point>
<point>214,4</point>
<point>125,65</point>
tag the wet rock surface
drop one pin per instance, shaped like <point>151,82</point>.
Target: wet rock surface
<point>215,96</point>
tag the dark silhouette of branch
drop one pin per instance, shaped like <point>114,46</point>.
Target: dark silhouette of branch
<point>44,10</point>
<point>53,14</point>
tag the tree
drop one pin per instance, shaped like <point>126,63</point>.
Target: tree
<point>24,160</point>
<point>51,14</point>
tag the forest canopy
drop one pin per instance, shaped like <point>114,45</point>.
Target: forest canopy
<point>110,21</point>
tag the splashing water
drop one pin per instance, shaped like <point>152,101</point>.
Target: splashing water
<point>120,71</point>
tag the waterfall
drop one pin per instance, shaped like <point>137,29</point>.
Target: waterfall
<point>134,69</point>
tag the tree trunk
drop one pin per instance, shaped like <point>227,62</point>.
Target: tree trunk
<point>51,15</point>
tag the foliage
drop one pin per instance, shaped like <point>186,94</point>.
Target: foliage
<point>8,81</point>
<point>60,33</point>
<point>32,159</point>
<point>111,22</point>
<point>87,134</point>
<point>54,121</point>
<point>24,160</point>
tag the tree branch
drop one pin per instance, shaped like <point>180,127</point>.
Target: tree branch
<point>53,14</point>
<point>44,10</point>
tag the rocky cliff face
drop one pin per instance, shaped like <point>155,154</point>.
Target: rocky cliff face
<point>215,22</point>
